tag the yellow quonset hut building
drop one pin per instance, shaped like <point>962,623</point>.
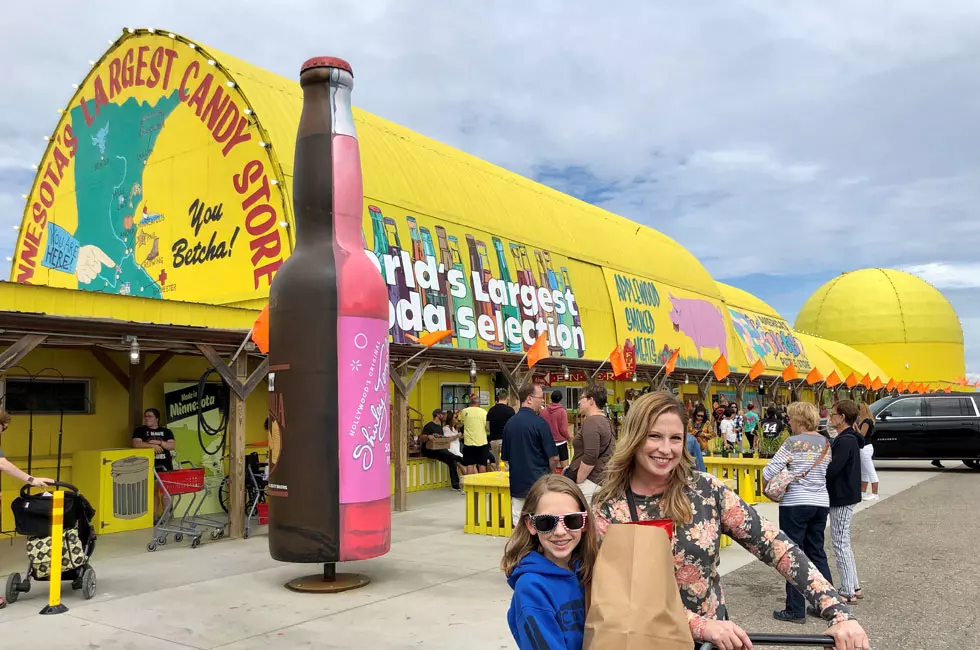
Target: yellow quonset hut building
<point>167,181</point>
<point>901,321</point>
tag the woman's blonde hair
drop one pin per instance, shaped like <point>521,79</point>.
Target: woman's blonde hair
<point>637,425</point>
<point>864,412</point>
<point>805,414</point>
<point>522,541</point>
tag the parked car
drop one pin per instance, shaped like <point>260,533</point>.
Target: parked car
<point>941,426</point>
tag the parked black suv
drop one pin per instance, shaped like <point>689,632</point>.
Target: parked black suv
<point>937,426</point>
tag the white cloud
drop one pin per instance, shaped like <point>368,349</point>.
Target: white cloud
<point>948,276</point>
<point>773,138</point>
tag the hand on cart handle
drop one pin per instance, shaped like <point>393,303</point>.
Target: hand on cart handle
<point>793,640</point>
<point>40,481</point>
<point>48,483</point>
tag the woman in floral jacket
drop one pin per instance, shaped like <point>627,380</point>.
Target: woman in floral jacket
<point>650,476</point>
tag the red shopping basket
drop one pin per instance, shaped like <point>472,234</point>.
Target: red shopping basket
<point>183,481</point>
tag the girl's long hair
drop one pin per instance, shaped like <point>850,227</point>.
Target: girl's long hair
<point>864,413</point>
<point>523,542</point>
<point>636,427</point>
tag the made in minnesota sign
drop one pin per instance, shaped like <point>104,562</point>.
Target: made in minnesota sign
<point>155,184</point>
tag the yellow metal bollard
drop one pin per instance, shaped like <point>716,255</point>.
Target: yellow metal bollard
<point>55,605</point>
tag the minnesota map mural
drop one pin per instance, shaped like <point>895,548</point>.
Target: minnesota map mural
<point>155,184</point>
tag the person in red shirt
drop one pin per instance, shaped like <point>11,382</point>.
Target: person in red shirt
<point>557,418</point>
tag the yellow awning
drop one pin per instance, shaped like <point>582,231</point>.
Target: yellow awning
<point>54,301</point>
<point>850,360</point>
<point>818,358</point>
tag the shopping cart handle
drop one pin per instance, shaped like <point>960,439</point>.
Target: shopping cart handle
<point>804,640</point>
<point>25,490</point>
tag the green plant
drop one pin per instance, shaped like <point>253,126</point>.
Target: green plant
<point>769,446</point>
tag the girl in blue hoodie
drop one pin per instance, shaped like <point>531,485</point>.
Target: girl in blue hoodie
<point>548,562</point>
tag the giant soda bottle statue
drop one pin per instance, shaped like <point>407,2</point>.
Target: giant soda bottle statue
<point>329,483</point>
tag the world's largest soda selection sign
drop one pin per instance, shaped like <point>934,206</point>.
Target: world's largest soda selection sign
<point>155,180</point>
<point>492,293</point>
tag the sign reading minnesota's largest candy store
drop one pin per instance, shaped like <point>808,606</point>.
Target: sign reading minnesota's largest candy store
<point>155,184</point>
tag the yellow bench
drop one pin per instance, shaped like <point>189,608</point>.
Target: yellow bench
<point>488,504</point>
<point>424,474</point>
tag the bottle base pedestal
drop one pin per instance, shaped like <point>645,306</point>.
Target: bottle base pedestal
<point>328,582</point>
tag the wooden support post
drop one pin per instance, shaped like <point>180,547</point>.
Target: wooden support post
<point>19,349</point>
<point>136,385</point>
<point>106,361</point>
<point>158,365</point>
<point>403,388</point>
<point>243,386</point>
<point>514,381</point>
<point>236,454</point>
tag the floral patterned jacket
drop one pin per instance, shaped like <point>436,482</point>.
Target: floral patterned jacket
<point>718,510</point>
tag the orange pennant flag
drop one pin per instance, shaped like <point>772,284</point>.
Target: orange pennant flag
<point>925,388</point>
<point>913,387</point>
<point>851,381</point>
<point>789,373</point>
<point>891,385</point>
<point>260,331</point>
<point>756,370</point>
<point>866,380</point>
<point>672,362</point>
<point>963,381</point>
<point>430,339</point>
<point>948,389</point>
<point>618,363</point>
<point>901,386</point>
<point>720,368</point>
<point>876,384</point>
<point>538,351</point>
<point>814,377</point>
<point>833,379</point>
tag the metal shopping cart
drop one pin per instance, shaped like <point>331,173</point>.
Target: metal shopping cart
<point>792,640</point>
<point>174,486</point>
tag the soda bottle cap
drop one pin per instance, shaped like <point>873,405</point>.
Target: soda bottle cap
<point>326,62</point>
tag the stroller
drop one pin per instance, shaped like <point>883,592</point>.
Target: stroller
<point>32,518</point>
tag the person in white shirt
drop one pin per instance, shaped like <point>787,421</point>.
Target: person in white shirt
<point>728,431</point>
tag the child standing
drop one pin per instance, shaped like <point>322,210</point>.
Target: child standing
<point>548,562</point>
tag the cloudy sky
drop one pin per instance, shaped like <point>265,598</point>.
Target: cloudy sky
<point>781,142</point>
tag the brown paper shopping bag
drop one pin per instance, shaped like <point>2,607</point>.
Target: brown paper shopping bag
<point>635,603</point>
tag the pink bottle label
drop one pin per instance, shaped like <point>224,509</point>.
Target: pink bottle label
<point>365,427</point>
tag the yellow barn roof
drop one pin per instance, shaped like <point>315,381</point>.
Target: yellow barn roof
<point>404,168</point>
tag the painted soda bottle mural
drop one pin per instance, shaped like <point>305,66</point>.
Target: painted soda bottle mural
<point>329,485</point>
<point>381,250</point>
<point>510,311</point>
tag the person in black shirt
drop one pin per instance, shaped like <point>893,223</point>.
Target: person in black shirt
<point>497,417</point>
<point>844,487</point>
<point>160,439</point>
<point>528,447</point>
<point>430,432</point>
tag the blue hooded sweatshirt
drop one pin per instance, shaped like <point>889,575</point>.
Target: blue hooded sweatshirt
<point>547,611</point>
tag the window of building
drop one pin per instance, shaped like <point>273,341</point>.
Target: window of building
<point>455,397</point>
<point>23,395</point>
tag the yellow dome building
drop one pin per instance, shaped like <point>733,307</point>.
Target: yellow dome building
<point>901,321</point>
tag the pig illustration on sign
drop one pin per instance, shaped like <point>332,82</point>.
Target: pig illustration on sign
<point>700,321</point>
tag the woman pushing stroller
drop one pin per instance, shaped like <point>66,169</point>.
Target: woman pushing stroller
<point>10,469</point>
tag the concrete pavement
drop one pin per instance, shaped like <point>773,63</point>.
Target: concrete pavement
<point>438,588</point>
